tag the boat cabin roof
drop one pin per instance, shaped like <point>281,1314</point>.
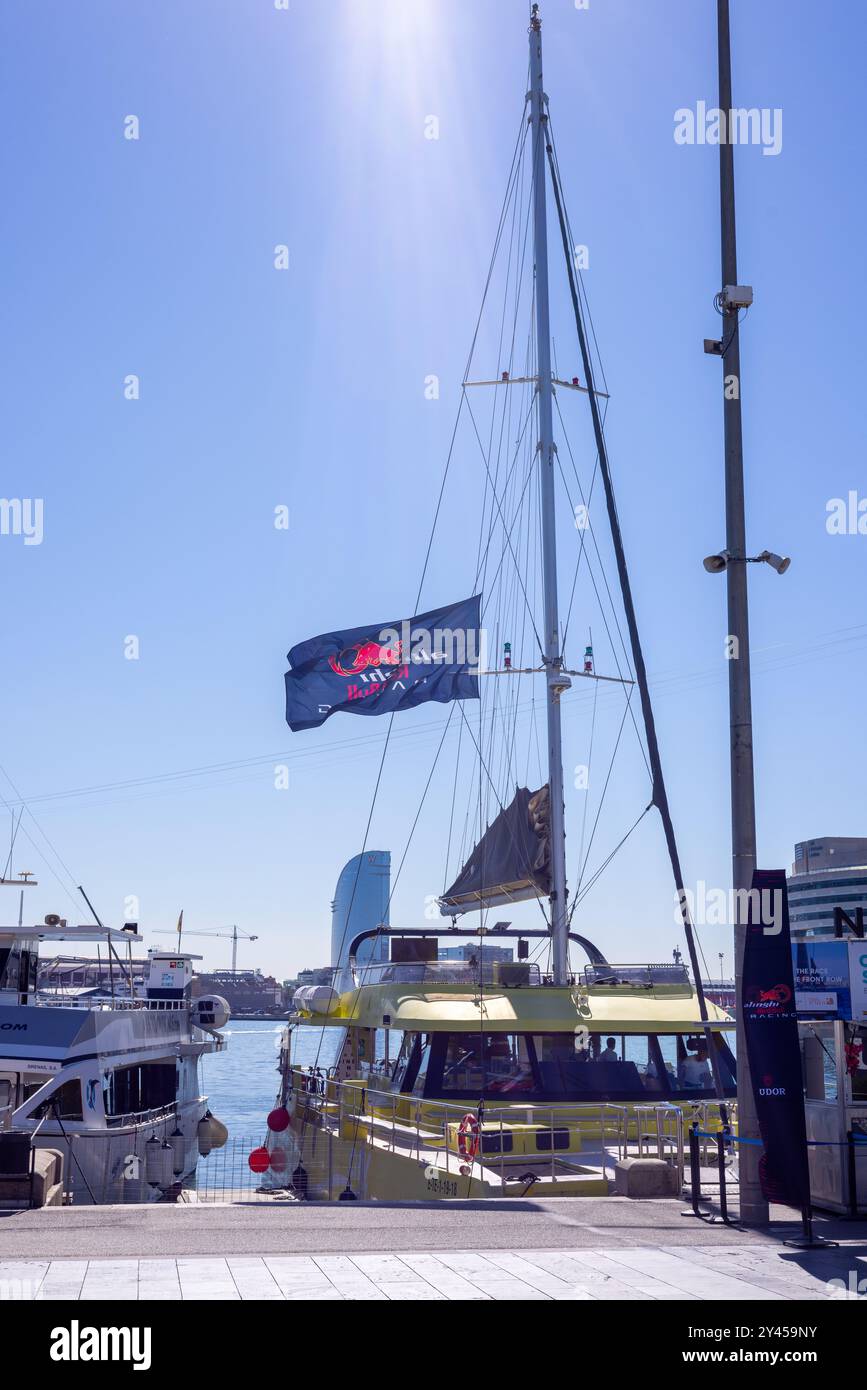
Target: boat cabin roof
<point>85,933</point>
<point>534,1009</point>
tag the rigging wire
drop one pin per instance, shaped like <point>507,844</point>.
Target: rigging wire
<point>515,160</point>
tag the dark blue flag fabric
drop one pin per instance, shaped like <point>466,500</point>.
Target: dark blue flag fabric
<point>386,666</point>
<point>771,1028</point>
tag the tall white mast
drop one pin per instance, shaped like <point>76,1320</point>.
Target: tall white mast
<point>556,680</point>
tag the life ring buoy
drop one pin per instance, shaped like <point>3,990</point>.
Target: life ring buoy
<point>469,1134</point>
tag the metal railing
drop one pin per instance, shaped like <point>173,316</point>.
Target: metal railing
<point>109,1005</point>
<point>496,974</point>
<point>635,976</point>
<point>571,1139</point>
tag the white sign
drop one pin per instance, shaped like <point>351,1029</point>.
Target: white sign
<point>806,1002</point>
<point>858,979</point>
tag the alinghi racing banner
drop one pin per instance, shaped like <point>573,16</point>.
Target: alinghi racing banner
<point>386,666</point>
<point>771,1030</point>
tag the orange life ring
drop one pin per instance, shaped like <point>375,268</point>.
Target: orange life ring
<point>469,1132</point>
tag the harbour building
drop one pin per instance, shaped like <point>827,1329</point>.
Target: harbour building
<point>471,953</point>
<point>827,874</point>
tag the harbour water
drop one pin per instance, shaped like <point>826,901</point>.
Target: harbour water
<point>241,1082</point>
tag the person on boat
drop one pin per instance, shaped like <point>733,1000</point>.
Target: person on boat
<point>696,1071</point>
<point>610,1052</point>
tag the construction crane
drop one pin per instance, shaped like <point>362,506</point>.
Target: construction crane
<point>233,932</point>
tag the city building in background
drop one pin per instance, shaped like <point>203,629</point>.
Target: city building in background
<point>90,978</point>
<point>322,975</point>
<point>245,991</point>
<point>361,902</point>
<point>470,951</point>
<point>828,873</point>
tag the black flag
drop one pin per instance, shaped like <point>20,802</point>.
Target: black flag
<point>385,667</point>
<point>771,1030</point>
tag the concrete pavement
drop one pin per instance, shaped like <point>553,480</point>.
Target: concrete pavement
<point>575,1249</point>
<point>746,1273</point>
<point>317,1228</point>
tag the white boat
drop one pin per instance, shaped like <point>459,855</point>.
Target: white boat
<point>113,1084</point>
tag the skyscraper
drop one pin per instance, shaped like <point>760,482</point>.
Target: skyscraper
<point>361,902</point>
<point>827,873</point>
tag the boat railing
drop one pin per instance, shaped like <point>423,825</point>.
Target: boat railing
<point>112,1005</point>
<point>134,1119</point>
<point>496,974</point>
<point>431,1131</point>
<point>617,976</point>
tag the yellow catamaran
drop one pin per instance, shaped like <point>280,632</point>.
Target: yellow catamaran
<point>501,1083</point>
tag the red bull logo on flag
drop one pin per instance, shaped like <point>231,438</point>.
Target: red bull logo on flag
<point>353,660</point>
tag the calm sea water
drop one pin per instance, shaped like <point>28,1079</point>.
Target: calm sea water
<point>241,1082</point>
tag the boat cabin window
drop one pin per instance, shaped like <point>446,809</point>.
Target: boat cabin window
<point>562,1066</point>
<point>10,964</point>
<point>130,1090</point>
<point>63,1103</point>
<point>409,1049</point>
<point>421,1071</point>
<point>489,1063</point>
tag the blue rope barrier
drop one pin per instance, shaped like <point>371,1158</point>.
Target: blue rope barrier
<point>816,1143</point>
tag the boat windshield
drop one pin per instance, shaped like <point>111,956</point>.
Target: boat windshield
<point>556,1066</point>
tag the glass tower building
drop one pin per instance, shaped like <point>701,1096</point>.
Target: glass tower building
<point>827,873</point>
<point>360,904</point>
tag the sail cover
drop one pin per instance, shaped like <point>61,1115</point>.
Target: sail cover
<point>511,862</point>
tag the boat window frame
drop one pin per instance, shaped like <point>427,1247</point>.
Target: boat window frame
<point>434,1088</point>
<point>413,1062</point>
<point>53,1105</point>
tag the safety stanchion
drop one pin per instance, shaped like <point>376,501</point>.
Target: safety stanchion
<point>853,1139</point>
<point>721,1169</point>
<point>808,1240</point>
<point>695,1177</point>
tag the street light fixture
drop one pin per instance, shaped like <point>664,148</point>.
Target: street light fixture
<point>715,564</point>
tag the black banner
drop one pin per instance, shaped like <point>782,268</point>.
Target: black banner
<point>771,1030</point>
<point>386,667</point>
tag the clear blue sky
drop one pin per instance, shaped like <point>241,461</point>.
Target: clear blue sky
<point>305,388</point>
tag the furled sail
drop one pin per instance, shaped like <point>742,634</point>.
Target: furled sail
<point>511,862</point>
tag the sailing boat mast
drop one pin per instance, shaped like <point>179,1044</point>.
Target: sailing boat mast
<point>555,679</point>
